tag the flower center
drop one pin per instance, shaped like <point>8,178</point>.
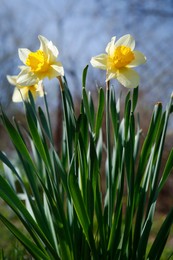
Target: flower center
<point>37,61</point>
<point>121,57</point>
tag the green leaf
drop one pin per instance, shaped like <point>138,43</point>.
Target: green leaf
<point>61,171</point>
<point>78,203</point>
<point>148,142</point>
<point>161,237</point>
<point>60,229</point>
<point>17,139</point>
<point>83,129</point>
<point>87,104</point>
<point>135,98</point>
<point>94,175</point>
<point>91,106</point>
<point>81,209</point>
<point>100,111</point>
<point>159,150</point>
<point>141,197</point>
<point>2,257</point>
<point>68,94</point>
<point>115,234</point>
<point>27,243</point>
<point>115,113</point>
<point>6,161</point>
<point>127,118</point>
<point>10,197</point>
<point>167,171</point>
<point>141,252</point>
<point>32,102</point>
<point>44,123</point>
<point>84,75</point>
<point>35,133</point>
<point>127,100</point>
<point>137,139</point>
<point>83,165</point>
<point>69,120</point>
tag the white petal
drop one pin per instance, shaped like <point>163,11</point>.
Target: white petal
<point>57,70</point>
<point>128,78</point>
<point>16,96</point>
<point>40,89</point>
<point>53,49</point>
<point>26,78</point>
<point>22,67</point>
<point>139,59</point>
<point>111,46</point>
<point>48,48</point>
<point>12,79</point>
<point>99,61</point>
<point>25,69</point>
<point>126,40</point>
<point>44,42</point>
<point>23,54</point>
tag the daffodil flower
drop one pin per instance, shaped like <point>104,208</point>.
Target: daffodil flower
<point>119,59</point>
<point>40,64</point>
<point>21,92</point>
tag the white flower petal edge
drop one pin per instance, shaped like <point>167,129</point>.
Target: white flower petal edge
<point>21,94</point>
<point>16,95</point>
<point>139,59</point>
<point>22,67</point>
<point>128,78</point>
<point>12,79</point>
<point>59,68</point>
<point>55,71</point>
<point>40,89</point>
<point>110,46</point>
<point>48,47</point>
<point>43,43</point>
<point>23,54</point>
<point>26,78</point>
<point>126,40</point>
<point>53,49</point>
<point>99,61</point>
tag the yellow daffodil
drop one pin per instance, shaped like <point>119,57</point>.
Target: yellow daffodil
<point>21,92</point>
<point>119,59</point>
<point>40,64</point>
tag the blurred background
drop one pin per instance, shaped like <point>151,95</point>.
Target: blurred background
<point>80,30</point>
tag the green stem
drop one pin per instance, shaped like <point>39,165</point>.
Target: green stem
<point>108,155</point>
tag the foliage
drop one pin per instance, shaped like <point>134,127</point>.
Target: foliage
<point>61,199</point>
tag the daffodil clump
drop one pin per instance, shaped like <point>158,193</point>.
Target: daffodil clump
<point>95,197</point>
